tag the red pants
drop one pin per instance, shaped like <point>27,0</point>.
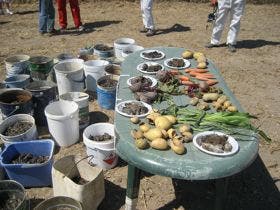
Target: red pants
<point>62,14</point>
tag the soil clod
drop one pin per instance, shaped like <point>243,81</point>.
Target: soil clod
<point>17,128</point>
<point>28,158</point>
<point>104,137</point>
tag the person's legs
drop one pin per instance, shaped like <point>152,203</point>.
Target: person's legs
<point>146,7</point>
<point>1,8</point>
<point>51,16</point>
<point>236,12</point>
<point>75,9</point>
<point>62,14</point>
<point>219,25</point>
<point>8,7</point>
<point>42,16</point>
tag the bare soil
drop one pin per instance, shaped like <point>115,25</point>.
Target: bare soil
<point>252,73</point>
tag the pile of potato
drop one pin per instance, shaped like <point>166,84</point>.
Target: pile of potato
<point>158,133</point>
<point>200,58</point>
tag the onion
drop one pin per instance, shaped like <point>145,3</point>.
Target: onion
<point>203,86</point>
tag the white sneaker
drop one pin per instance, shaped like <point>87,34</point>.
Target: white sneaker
<point>9,12</point>
<point>81,28</point>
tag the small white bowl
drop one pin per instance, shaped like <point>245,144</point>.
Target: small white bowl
<point>149,63</point>
<point>231,140</point>
<point>152,59</point>
<point>187,63</point>
<point>132,49</point>
<point>154,81</point>
<point>120,105</point>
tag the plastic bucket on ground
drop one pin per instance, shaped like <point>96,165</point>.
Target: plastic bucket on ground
<point>113,69</point>
<point>104,155</point>
<point>69,76</point>
<point>82,100</point>
<point>106,96</point>
<point>15,193</point>
<point>66,169</point>
<point>40,67</point>
<point>30,134</point>
<point>98,51</point>
<point>121,44</point>
<point>94,69</point>
<point>15,102</point>
<point>131,49</point>
<point>17,64</point>
<point>17,81</point>
<point>29,175</point>
<point>43,92</point>
<point>63,122</point>
<point>59,202</point>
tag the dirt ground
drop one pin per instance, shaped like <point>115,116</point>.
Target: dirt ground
<point>252,73</point>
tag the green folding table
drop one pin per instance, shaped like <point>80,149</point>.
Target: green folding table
<point>194,165</point>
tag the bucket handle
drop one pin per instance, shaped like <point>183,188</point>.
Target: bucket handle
<point>77,81</point>
<point>16,108</point>
<point>91,157</point>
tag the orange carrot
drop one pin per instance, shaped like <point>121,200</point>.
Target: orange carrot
<point>207,76</point>
<point>187,83</point>
<point>201,78</point>
<point>183,78</point>
<point>211,82</point>
<point>188,70</point>
<point>194,73</point>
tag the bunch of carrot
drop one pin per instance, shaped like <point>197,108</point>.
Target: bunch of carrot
<point>199,74</point>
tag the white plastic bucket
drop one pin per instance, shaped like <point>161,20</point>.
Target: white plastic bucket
<point>63,122</point>
<point>28,135</point>
<point>121,44</point>
<point>82,100</point>
<point>94,69</point>
<point>104,155</point>
<point>16,64</point>
<point>69,76</point>
<point>131,49</point>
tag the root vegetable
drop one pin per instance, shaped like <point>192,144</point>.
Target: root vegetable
<point>226,104</point>
<point>210,97</point>
<point>187,83</point>
<point>222,99</point>
<point>197,54</point>
<point>183,78</point>
<point>171,118</point>
<point>232,108</point>
<point>187,136</point>
<point>141,143</point>
<point>178,148</point>
<point>201,59</point>
<point>199,77</point>
<point>194,101</point>
<point>164,134</point>
<point>184,128</point>
<point>163,122</point>
<point>217,105</point>
<point>159,143</point>
<point>171,133</point>
<point>135,120</point>
<point>153,133</point>
<point>211,82</point>
<point>202,106</point>
<point>201,65</point>
<point>137,134</point>
<point>203,86</point>
<point>144,127</point>
<point>187,54</point>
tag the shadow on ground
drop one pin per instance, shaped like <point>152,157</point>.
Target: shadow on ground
<point>34,202</point>
<point>175,28</point>
<point>97,117</point>
<point>26,12</point>
<point>253,189</point>
<point>4,22</point>
<point>114,197</point>
<point>102,23</point>
<point>251,44</point>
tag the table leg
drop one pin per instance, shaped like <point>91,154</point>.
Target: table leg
<point>132,189</point>
<point>221,193</point>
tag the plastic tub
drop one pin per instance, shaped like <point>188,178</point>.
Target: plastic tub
<point>59,202</point>
<point>69,76</point>
<point>113,69</point>
<point>82,100</point>
<point>90,194</point>
<point>104,154</point>
<point>30,134</point>
<point>106,97</point>
<point>94,69</point>
<point>131,49</point>
<point>15,101</point>
<point>63,122</point>
<point>17,81</point>
<point>17,64</point>
<point>14,190</point>
<point>29,175</point>
<point>120,45</point>
<point>43,92</point>
<point>103,53</point>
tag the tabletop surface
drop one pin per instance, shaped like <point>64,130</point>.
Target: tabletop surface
<point>194,165</point>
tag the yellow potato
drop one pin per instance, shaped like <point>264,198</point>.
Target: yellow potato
<point>201,65</point>
<point>201,59</point>
<point>197,54</point>
<point>187,54</point>
<point>159,143</point>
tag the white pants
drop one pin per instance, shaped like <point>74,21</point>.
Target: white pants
<point>235,9</point>
<point>146,9</point>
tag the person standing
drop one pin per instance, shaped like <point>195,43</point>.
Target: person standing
<point>148,21</point>
<point>62,14</point>
<point>234,9</point>
<point>46,17</point>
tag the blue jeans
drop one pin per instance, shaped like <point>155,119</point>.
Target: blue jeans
<point>46,16</point>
